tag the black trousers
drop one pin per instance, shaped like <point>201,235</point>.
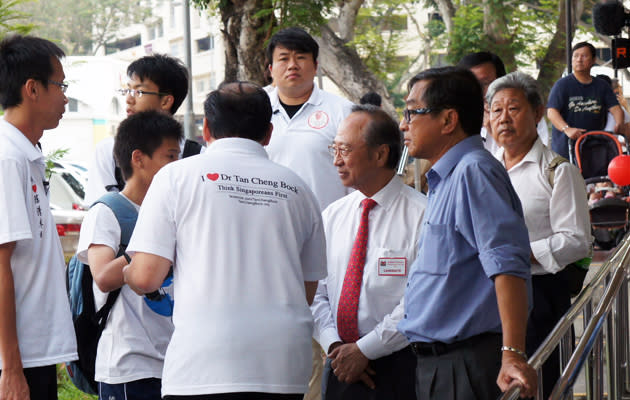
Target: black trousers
<point>467,372</point>
<point>394,380</point>
<point>551,302</point>
<point>42,382</point>
<point>239,396</point>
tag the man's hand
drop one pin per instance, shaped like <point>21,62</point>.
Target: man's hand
<point>574,133</point>
<point>516,372</point>
<point>13,385</point>
<point>350,365</point>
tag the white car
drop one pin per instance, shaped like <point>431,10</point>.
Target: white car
<point>67,191</point>
<point>68,226</point>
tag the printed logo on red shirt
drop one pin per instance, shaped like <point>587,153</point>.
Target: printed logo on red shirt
<point>318,120</point>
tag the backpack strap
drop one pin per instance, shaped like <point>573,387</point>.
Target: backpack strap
<point>126,215</point>
<point>551,168</point>
<point>191,148</point>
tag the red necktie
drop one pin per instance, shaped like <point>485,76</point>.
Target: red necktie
<point>347,323</point>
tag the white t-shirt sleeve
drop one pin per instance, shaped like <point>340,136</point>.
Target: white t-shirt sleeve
<point>101,227</point>
<point>155,231</point>
<point>313,255</point>
<point>13,203</point>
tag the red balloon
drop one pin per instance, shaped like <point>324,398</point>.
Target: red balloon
<point>619,170</point>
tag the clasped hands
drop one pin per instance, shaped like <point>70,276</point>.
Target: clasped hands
<point>350,365</point>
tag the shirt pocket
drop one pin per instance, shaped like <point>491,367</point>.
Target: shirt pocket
<point>433,254</point>
<point>382,281</point>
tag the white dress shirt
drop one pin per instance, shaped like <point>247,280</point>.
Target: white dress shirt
<point>557,218</point>
<point>394,231</point>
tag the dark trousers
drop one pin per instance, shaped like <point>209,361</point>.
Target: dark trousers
<point>467,370</point>
<point>551,301</point>
<point>239,396</point>
<point>42,382</point>
<point>142,389</point>
<point>393,378</point>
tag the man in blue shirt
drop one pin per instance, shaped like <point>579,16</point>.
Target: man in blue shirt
<point>466,303</point>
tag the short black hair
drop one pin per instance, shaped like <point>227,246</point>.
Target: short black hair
<point>472,60</point>
<point>371,98</point>
<point>294,38</point>
<point>585,44</point>
<point>238,109</point>
<point>168,73</point>
<point>23,58</point>
<point>456,88</point>
<point>381,129</point>
<point>144,131</point>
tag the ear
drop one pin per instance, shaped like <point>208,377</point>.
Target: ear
<point>450,120</point>
<point>30,89</point>
<point>207,135</point>
<point>166,102</point>
<point>137,160</point>
<point>382,154</point>
<point>267,138</point>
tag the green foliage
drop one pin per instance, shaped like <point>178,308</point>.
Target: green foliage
<point>66,389</point>
<point>53,156</point>
<point>12,19</point>
<point>80,27</point>
<point>529,29</point>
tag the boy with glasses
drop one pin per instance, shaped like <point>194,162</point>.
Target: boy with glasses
<point>156,82</point>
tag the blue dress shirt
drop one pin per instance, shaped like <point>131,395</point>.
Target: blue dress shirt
<point>473,230</point>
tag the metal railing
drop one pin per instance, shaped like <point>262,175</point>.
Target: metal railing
<point>609,322</point>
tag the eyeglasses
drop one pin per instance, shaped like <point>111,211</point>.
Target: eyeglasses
<point>63,86</point>
<point>138,92</point>
<point>333,149</point>
<point>407,113</point>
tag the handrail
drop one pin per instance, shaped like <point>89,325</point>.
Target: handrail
<point>581,305</point>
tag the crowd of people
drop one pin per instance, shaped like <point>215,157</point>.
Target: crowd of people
<point>298,263</point>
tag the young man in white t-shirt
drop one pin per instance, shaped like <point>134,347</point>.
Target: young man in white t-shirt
<point>156,82</point>
<point>247,245</point>
<point>131,349</point>
<point>35,322</point>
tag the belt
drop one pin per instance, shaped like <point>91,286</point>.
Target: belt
<point>439,348</point>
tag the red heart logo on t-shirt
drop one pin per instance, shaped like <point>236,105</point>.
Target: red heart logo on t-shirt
<point>213,177</point>
<point>34,188</point>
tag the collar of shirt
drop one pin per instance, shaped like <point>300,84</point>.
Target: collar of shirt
<point>15,136</point>
<point>315,98</point>
<point>237,145</point>
<point>384,197</point>
<point>533,155</point>
<point>449,160</point>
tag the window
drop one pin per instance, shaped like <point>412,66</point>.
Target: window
<point>176,48</point>
<point>205,44</point>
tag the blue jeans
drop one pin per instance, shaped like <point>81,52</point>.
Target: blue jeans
<point>143,389</point>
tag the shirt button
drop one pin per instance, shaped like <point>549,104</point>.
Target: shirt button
<point>405,316</point>
<point>407,284</point>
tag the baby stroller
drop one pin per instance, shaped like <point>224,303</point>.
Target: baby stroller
<point>608,204</point>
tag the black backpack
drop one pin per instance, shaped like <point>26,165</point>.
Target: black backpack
<point>191,148</point>
<point>89,323</point>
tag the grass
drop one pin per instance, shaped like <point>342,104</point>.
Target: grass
<point>66,389</point>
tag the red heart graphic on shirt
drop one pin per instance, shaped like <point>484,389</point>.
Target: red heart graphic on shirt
<point>213,177</point>
<point>34,188</point>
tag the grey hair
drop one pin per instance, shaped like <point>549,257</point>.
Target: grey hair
<point>520,81</point>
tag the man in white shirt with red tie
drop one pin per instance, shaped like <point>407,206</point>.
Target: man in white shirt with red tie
<point>371,237</point>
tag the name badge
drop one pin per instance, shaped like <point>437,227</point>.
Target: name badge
<point>395,266</point>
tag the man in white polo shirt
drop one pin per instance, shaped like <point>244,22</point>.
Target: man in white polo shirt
<point>35,323</point>
<point>305,118</point>
<point>245,238</point>
<point>369,358</point>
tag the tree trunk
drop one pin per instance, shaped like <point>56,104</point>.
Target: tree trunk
<point>347,19</point>
<point>495,27</point>
<point>344,67</point>
<point>243,39</point>
<point>553,63</point>
<point>447,11</point>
